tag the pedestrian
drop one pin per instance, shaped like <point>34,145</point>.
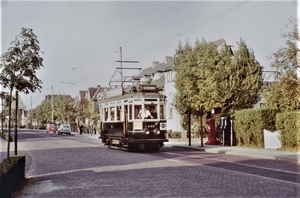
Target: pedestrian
<point>80,129</point>
<point>146,114</point>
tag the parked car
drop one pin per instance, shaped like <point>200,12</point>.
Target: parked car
<point>64,128</point>
<point>51,128</point>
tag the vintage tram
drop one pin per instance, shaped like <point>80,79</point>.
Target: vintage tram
<point>134,121</point>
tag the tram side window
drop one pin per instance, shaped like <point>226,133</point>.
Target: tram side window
<point>112,113</point>
<point>118,113</point>
<point>125,112</point>
<point>162,112</point>
<point>153,111</point>
<point>137,111</point>
<point>130,112</point>
<point>105,113</point>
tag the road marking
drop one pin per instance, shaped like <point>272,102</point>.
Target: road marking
<point>249,174</point>
<point>222,169</point>
<point>142,165</point>
<point>220,160</point>
<point>254,166</point>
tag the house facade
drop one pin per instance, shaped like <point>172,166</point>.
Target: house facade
<point>162,75</point>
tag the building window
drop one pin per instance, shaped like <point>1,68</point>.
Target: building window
<point>169,76</point>
<point>171,113</point>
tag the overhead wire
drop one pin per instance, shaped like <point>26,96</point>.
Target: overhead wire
<point>172,37</point>
<point>80,81</point>
<point>134,36</point>
<point>194,27</point>
<point>159,19</point>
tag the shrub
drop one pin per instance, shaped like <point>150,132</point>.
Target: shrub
<point>5,136</point>
<point>288,123</point>
<point>173,134</point>
<point>12,174</point>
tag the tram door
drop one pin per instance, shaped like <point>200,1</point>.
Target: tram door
<point>125,123</point>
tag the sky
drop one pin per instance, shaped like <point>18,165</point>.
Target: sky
<point>81,40</point>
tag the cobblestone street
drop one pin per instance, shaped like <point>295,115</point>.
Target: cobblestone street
<point>80,166</point>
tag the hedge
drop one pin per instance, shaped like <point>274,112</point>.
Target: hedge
<point>250,123</point>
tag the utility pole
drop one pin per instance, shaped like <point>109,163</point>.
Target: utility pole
<point>31,114</point>
<point>52,113</point>
<point>201,127</point>
<point>189,126</point>
<point>2,116</point>
<point>121,71</point>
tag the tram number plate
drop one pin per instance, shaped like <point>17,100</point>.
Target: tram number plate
<point>163,126</point>
<point>115,141</point>
<point>137,125</point>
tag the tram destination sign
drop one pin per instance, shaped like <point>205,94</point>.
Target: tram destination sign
<point>148,88</point>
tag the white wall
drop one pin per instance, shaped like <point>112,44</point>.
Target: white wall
<point>173,121</point>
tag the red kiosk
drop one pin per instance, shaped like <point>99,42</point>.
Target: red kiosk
<point>211,130</point>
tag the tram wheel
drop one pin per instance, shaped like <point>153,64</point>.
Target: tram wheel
<point>141,147</point>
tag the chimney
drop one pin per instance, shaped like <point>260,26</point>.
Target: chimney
<point>155,63</point>
<point>168,58</point>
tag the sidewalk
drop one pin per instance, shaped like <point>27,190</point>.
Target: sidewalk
<point>195,145</point>
<point>234,150</point>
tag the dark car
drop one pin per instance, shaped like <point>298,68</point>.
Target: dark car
<point>51,128</point>
<point>64,128</point>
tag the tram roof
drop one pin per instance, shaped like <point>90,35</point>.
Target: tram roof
<point>133,95</point>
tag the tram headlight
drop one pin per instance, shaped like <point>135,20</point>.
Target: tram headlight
<point>146,131</point>
<point>156,131</point>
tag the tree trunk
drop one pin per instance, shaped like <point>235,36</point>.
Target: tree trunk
<point>16,124</point>
<point>9,124</point>
<point>201,129</point>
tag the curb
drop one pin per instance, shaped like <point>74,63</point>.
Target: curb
<point>286,157</point>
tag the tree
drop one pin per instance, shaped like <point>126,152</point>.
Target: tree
<point>44,112</point>
<point>208,77</point>
<point>82,112</point>
<point>240,79</point>
<point>182,82</point>
<point>284,93</point>
<point>64,110</point>
<point>19,64</point>
<point>85,112</point>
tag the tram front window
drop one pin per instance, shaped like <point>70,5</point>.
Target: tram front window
<point>153,111</point>
<point>162,112</point>
<point>148,112</point>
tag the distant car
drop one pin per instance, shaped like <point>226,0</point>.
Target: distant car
<point>51,128</point>
<point>64,128</point>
